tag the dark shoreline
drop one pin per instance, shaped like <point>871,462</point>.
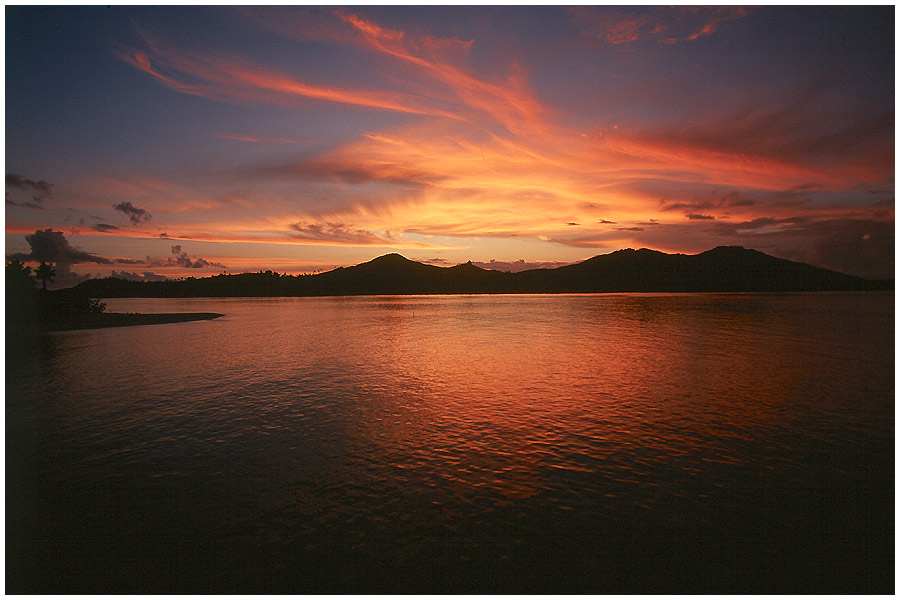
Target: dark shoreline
<point>722,269</point>
<point>104,320</point>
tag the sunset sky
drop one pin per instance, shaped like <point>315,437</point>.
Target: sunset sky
<point>191,141</point>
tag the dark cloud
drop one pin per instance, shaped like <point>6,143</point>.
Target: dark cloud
<point>570,224</point>
<point>754,226</point>
<point>699,217</point>
<point>31,193</point>
<point>714,200</point>
<point>176,249</point>
<point>137,215</point>
<point>53,247</point>
<point>103,227</point>
<point>629,228</point>
<point>35,203</point>
<point>41,187</point>
<point>605,222</point>
<point>164,235</point>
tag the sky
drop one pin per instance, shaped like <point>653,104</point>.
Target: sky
<point>168,141</point>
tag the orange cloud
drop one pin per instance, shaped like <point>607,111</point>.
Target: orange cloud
<point>459,182</point>
<point>231,79</point>
<point>716,16</point>
<point>500,164</point>
<point>435,66</point>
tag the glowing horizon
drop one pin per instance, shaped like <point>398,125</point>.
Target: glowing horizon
<point>325,137</point>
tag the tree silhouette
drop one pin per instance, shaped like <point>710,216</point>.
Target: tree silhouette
<point>18,277</point>
<point>45,273</point>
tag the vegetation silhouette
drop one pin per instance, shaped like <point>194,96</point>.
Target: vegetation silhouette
<point>45,273</point>
<point>30,309</point>
<point>722,269</point>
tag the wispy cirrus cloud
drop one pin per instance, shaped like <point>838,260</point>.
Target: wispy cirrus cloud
<point>622,27</point>
<point>508,101</point>
<point>434,83</point>
<point>231,78</point>
<point>257,140</point>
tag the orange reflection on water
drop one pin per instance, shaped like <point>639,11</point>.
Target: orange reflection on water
<point>630,389</point>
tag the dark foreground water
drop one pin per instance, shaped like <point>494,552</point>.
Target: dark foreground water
<point>486,444</point>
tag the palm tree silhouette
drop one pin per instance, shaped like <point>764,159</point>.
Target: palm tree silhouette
<point>45,273</point>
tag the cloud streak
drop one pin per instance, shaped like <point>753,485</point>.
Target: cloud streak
<point>434,84</point>
<point>338,234</point>
<point>236,79</point>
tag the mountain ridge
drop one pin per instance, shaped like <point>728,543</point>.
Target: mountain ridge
<point>720,269</point>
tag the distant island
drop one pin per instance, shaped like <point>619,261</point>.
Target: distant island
<point>722,269</point>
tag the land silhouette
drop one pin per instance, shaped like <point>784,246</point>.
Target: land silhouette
<point>722,269</point>
<point>30,309</point>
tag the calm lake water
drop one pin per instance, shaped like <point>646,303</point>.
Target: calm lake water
<point>578,443</point>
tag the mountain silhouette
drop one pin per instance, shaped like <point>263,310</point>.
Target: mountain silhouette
<point>394,274</point>
<point>722,269</point>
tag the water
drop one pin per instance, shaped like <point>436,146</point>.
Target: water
<point>559,444</point>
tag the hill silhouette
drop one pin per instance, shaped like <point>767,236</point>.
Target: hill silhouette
<point>722,269</point>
